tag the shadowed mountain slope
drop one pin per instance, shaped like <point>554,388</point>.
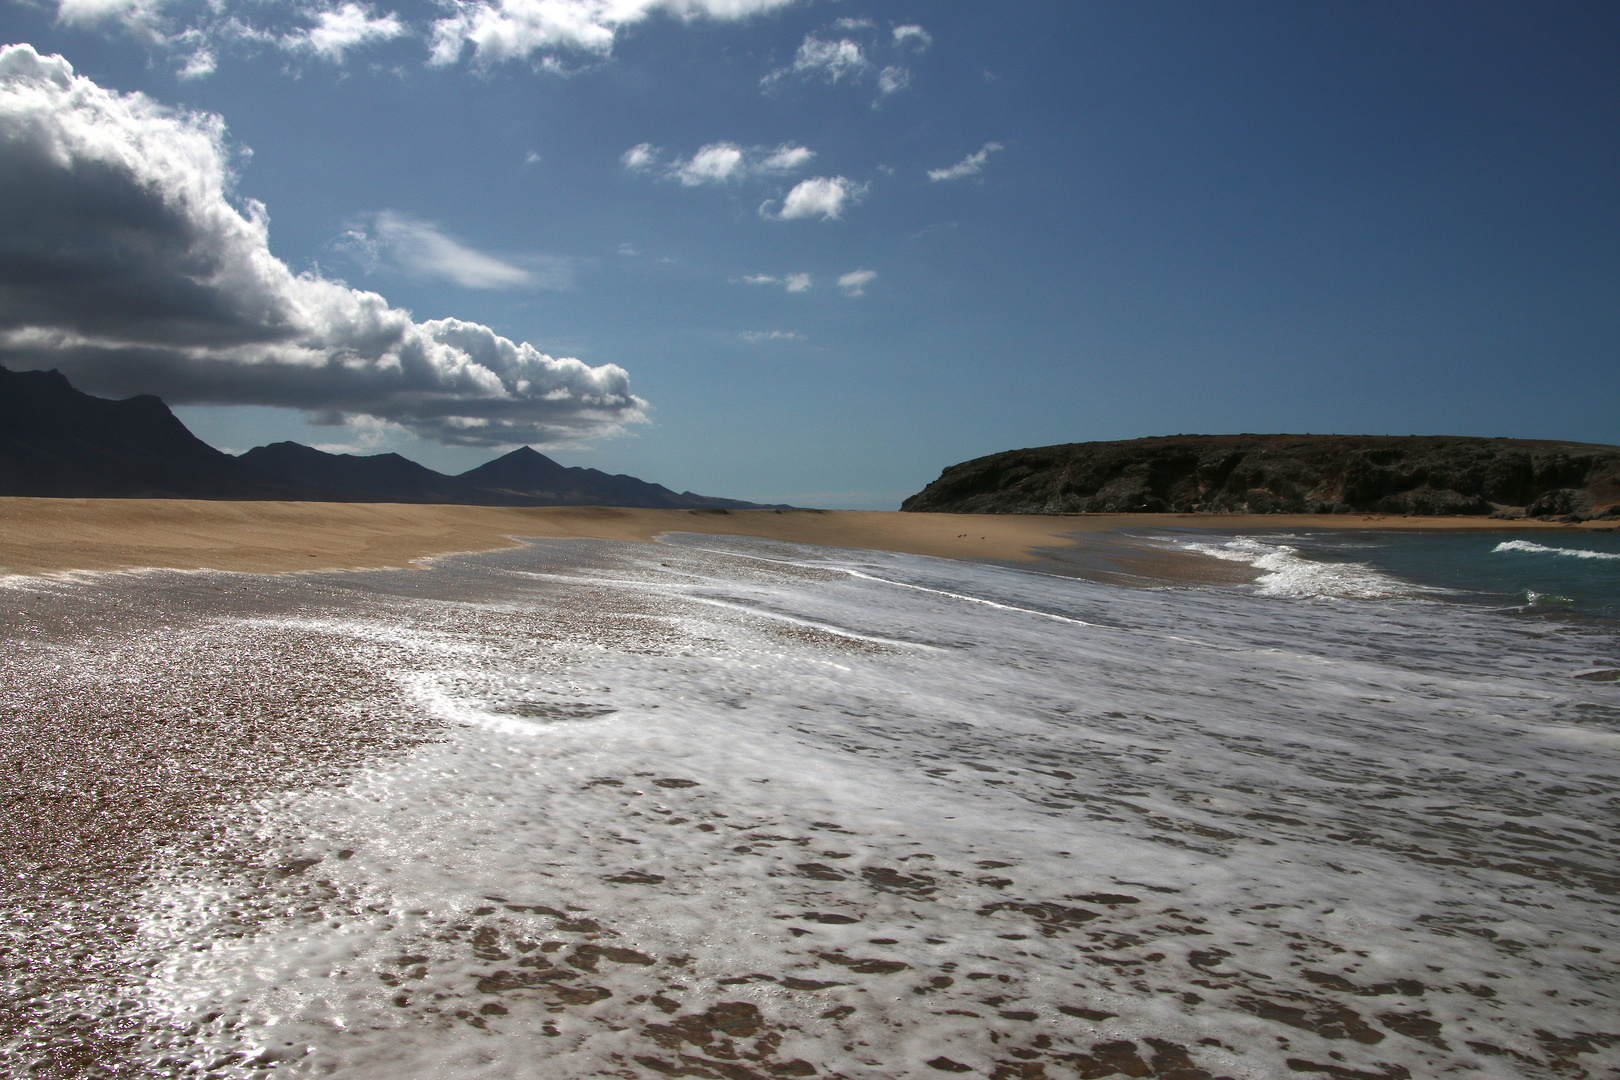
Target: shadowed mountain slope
<point>523,477</point>
<point>1261,474</point>
<point>369,478</point>
<point>56,441</point>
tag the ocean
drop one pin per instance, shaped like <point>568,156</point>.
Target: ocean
<point>1574,573</point>
<point>734,808</point>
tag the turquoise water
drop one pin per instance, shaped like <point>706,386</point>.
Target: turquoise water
<point>1552,572</point>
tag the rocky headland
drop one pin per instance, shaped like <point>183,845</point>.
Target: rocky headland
<point>1293,474</point>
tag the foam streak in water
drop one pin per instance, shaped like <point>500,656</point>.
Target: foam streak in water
<point>1530,547</point>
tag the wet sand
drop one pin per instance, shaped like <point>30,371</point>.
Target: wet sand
<point>731,817</point>
<point>150,717</point>
<point>56,535</point>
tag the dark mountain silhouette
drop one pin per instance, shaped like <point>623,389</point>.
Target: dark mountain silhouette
<point>1260,474</point>
<point>370,478</point>
<point>56,441</point>
<point>523,477</point>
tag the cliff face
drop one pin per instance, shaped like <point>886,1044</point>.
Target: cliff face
<point>1265,474</point>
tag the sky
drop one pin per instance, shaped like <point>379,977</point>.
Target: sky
<point>814,251</point>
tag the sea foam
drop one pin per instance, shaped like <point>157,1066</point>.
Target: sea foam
<point>1533,548</point>
<point>732,808</point>
<point>1286,573</point>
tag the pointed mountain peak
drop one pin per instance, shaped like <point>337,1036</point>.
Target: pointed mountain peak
<point>525,455</point>
<point>523,466</point>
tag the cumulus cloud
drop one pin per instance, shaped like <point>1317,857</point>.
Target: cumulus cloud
<point>712,164</point>
<point>502,30</point>
<point>820,196</point>
<point>793,283</point>
<point>972,165</point>
<point>719,162</point>
<point>397,241</point>
<point>843,59</point>
<point>855,282</point>
<point>830,60</point>
<point>785,159</point>
<point>758,337</point>
<point>340,29</point>
<point>913,36</point>
<point>640,157</point>
<point>126,264</point>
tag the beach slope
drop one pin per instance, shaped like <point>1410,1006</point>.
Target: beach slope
<point>54,535</point>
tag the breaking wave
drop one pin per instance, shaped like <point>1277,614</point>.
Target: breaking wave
<point>1532,548</point>
<point>1286,573</point>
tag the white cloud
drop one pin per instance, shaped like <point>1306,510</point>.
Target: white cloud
<point>820,196</point>
<point>494,31</point>
<point>501,30</point>
<point>842,59</point>
<point>418,248</point>
<point>199,65</point>
<point>640,157</point>
<point>132,270</point>
<point>832,60</point>
<point>785,159</point>
<point>339,29</point>
<point>855,282</point>
<point>971,165</point>
<point>913,36</point>
<point>135,14</point>
<point>720,162</point>
<point>758,337</point>
<point>793,283</point>
<point>368,434</point>
<point>712,164</point>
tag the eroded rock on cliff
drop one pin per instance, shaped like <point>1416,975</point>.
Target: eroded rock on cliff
<point>1265,474</point>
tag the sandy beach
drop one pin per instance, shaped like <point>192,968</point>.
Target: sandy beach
<point>727,807</point>
<point>52,535</point>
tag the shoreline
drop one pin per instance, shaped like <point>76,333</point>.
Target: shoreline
<point>45,536</point>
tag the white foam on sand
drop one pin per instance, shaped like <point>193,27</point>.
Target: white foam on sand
<point>750,809</point>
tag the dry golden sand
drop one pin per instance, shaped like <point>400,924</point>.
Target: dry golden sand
<point>48,535</point>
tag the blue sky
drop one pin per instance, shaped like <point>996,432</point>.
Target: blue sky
<point>859,241</point>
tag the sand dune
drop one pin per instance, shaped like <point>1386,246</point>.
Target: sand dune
<point>48,535</point>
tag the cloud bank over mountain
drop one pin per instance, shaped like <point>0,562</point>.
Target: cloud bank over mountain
<point>126,263</point>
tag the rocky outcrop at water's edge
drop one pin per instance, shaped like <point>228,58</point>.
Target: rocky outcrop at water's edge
<point>1298,474</point>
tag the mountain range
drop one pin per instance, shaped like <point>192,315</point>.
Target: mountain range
<point>59,442</point>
